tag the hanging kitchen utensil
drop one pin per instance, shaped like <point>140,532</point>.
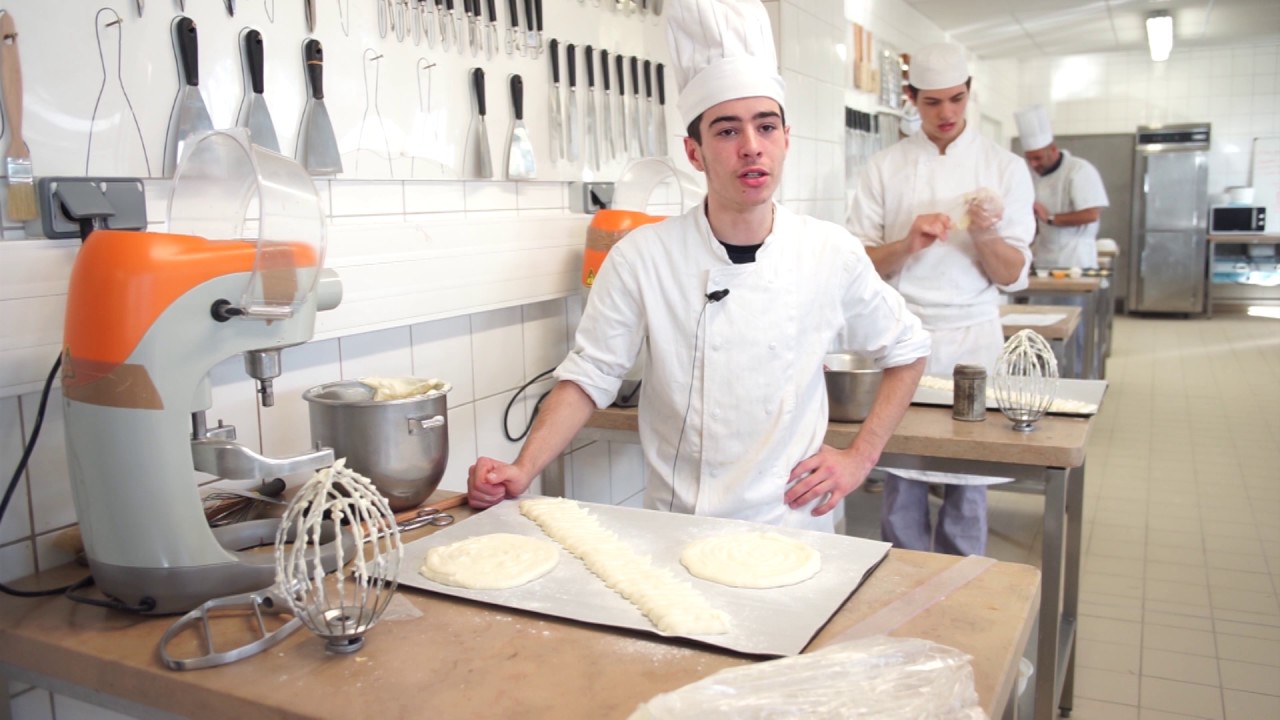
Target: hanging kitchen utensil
<point>593,148</point>
<point>190,117</point>
<point>661,148</point>
<point>557,114</point>
<point>117,144</point>
<point>521,164</point>
<point>427,136</point>
<point>477,162</point>
<point>373,58</point>
<point>311,16</point>
<point>513,29</point>
<point>456,21</point>
<point>491,30</point>
<point>445,22</point>
<point>571,119</point>
<point>256,116</point>
<point>650,137</point>
<point>608,107</point>
<point>317,147</point>
<point>637,129</point>
<point>619,65</point>
<point>537,12</point>
<point>469,9</point>
<point>531,32</point>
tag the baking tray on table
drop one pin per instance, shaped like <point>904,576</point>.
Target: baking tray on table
<point>1085,391</point>
<point>777,621</point>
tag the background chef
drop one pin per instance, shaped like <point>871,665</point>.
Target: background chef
<point>739,299</point>
<point>945,215</point>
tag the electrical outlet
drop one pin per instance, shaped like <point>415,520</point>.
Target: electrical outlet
<point>588,197</point>
<point>116,204</point>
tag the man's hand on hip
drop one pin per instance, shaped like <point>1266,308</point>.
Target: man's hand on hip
<point>832,473</point>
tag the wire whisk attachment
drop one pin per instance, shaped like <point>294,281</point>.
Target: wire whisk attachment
<point>1026,379</point>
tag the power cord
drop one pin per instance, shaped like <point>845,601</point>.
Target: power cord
<point>506,415</point>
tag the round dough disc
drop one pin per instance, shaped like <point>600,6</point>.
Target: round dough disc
<point>751,560</point>
<point>491,562</point>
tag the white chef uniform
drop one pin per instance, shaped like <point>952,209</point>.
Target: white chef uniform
<point>944,284</point>
<point>734,395</point>
<point>1075,185</point>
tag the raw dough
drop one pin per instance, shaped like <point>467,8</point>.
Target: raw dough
<point>401,388</point>
<point>751,560</point>
<point>490,562</point>
<point>674,606</point>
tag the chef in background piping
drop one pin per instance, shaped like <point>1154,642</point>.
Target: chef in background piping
<point>739,299</point>
<point>945,215</point>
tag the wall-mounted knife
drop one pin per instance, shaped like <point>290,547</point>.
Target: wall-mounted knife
<point>593,147</point>
<point>455,25</point>
<point>537,11</point>
<point>662,100</point>
<point>608,144</point>
<point>619,64</point>
<point>650,137</point>
<point>491,30</point>
<point>469,10</point>
<point>637,131</point>
<point>426,22</point>
<point>445,20</point>
<point>513,29</point>
<point>571,117</point>
<point>311,17</point>
<point>531,30</point>
<point>557,113</point>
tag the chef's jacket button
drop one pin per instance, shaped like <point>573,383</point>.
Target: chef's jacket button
<point>773,346</point>
<point>715,413</point>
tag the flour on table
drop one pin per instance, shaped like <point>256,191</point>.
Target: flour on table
<point>1059,405</point>
<point>674,606</point>
<point>751,560</point>
<point>490,562</point>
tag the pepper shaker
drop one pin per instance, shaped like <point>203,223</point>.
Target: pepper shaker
<point>969,402</point>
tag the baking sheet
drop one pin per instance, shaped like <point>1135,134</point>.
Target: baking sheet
<point>777,621</point>
<point>1085,391</point>
<point>1032,319</point>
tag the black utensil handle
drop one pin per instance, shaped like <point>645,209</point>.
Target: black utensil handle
<point>537,10</point>
<point>313,56</point>
<point>554,46</point>
<point>648,80</point>
<point>662,84</point>
<point>517,97</point>
<point>477,84</point>
<point>604,69</point>
<point>635,76</point>
<point>513,14</point>
<point>528,15</point>
<point>184,29</point>
<point>569,51</point>
<point>619,64</point>
<point>253,53</point>
<point>493,11</point>
<point>448,5</point>
<point>587,54</point>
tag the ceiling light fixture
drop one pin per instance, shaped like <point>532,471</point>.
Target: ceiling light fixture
<point>1160,36</point>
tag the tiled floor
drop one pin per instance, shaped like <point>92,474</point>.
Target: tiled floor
<point>1181,566</point>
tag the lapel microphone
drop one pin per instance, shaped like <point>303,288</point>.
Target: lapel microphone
<point>718,295</point>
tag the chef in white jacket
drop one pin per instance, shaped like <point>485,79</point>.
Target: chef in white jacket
<point>1070,196</point>
<point>739,300</point>
<point>946,218</point>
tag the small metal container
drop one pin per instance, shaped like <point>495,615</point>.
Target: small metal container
<point>969,401</point>
<point>401,445</point>
<point>853,381</point>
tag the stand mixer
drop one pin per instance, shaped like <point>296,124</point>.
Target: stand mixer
<point>148,315</point>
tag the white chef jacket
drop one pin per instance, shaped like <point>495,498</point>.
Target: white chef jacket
<point>1075,185</point>
<point>944,284</point>
<point>733,394</point>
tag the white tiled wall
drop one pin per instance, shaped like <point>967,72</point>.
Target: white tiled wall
<point>1235,89</point>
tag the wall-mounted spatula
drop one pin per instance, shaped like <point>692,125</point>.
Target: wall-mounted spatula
<point>190,117</point>
<point>521,164</point>
<point>477,162</point>
<point>257,117</point>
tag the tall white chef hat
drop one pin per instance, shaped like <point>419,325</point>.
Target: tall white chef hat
<point>938,66</point>
<point>722,50</point>
<point>1034,129</point>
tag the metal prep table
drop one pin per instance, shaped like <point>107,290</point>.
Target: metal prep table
<point>1098,312</point>
<point>1049,461</point>
<point>1058,334</point>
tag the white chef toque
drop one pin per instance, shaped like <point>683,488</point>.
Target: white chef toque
<point>1034,129</point>
<point>721,50</point>
<point>938,66</point>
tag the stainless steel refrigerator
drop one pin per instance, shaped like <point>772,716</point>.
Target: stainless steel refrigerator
<point>1170,219</point>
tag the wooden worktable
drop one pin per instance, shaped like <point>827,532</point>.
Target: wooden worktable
<point>1067,285</point>
<point>467,660</point>
<point>1060,331</point>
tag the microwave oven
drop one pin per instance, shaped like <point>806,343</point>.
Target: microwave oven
<point>1237,219</point>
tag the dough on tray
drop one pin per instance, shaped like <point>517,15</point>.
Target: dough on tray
<point>674,606</point>
<point>751,560</point>
<point>490,562</point>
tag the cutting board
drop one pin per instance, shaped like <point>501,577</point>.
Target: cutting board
<point>775,622</point>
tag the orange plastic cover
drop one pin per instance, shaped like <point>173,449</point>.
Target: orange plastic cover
<point>607,228</point>
<point>122,281</point>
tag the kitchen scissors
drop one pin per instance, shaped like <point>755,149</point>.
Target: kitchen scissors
<point>424,517</point>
